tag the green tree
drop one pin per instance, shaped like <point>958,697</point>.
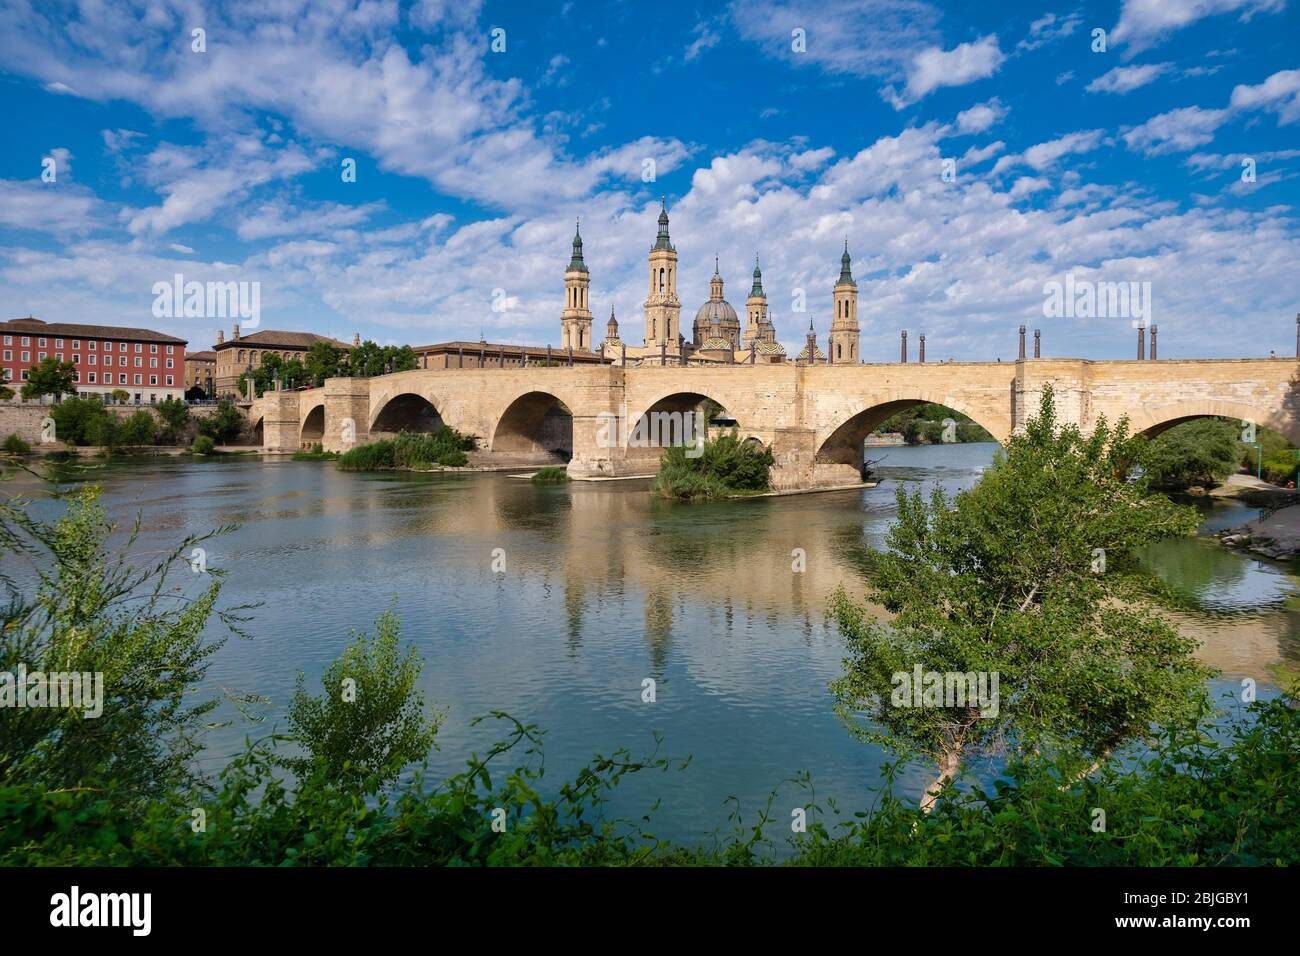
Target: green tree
<point>322,361</point>
<point>50,377</point>
<point>370,359</point>
<point>175,416</point>
<point>81,420</point>
<point>1201,452</point>
<point>1032,576</point>
<point>139,428</point>
<point>225,425</point>
<point>6,393</point>
<point>120,395</point>
<point>370,717</point>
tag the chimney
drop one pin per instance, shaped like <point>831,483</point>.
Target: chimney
<point>234,332</point>
<point>356,338</point>
<point>1038,337</point>
<point>904,352</point>
<point>1142,342</point>
<point>1022,342</point>
<point>221,336</point>
<point>922,348</point>
<point>1153,343</point>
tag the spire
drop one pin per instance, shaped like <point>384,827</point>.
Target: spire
<point>715,284</point>
<point>661,241</point>
<point>846,275</point>
<point>757,290</point>
<point>576,264</point>
<point>611,327</point>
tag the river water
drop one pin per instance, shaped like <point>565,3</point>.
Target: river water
<point>604,587</point>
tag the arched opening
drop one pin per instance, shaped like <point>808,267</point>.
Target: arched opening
<point>537,427</point>
<point>313,428</point>
<point>1205,450</point>
<point>842,458</point>
<point>405,413</point>
<point>258,436</point>
<point>673,420</point>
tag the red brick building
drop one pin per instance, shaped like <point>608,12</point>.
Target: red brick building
<point>149,366</point>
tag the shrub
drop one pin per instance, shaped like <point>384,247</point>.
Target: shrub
<point>551,475</point>
<point>175,416</point>
<point>417,450</point>
<point>16,446</point>
<point>81,420</point>
<point>725,466</point>
<point>225,425</point>
<point>203,445</point>
<point>139,428</point>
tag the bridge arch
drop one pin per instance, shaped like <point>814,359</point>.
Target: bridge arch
<point>312,431</point>
<point>670,429</point>
<point>537,425</point>
<point>405,411</point>
<point>1151,422</point>
<point>840,450</point>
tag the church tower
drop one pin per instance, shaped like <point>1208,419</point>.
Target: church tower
<point>575,320</point>
<point>663,310</point>
<point>844,326</point>
<point>756,310</point>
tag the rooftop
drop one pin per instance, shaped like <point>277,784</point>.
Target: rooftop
<point>31,326</point>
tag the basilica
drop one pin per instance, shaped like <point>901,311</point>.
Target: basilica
<point>717,337</point>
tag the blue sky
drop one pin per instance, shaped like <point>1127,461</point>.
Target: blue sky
<point>1123,165</point>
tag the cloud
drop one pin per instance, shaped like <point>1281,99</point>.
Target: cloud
<point>935,67</point>
<point>1125,79</point>
<point>59,208</point>
<point>1045,155</point>
<point>981,116</point>
<point>705,37</point>
<point>1144,23</point>
<point>1175,131</point>
<point>277,219</point>
<point>1047,29</point>
<point>1280,94</point>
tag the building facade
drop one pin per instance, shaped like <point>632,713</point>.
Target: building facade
<point>149,366</point>
<point>240,354</point>
<point>201,372</point>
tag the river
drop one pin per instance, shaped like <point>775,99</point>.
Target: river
<point>604,587</point>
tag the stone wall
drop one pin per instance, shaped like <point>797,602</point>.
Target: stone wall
<point>24,418</point>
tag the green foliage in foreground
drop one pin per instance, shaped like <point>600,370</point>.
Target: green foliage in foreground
<point>726,466</point>
<point>414,450</point>
<point>203,445</point>
<point>551,475</point>
<point>1030,575</point>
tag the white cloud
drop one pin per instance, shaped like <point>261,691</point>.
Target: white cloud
<point>1175,131</point>
<point>1144,23</point>
<point>1280,93</point>
<point>935,67</point>
<point>1045,155</point>
<point>1125,79</point>
<point>981,116</point>
<point>1047,28</point>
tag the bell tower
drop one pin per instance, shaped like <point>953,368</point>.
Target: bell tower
<point>756,310</point>
<point>663,310</point>
<point>844,326</point>
<point>575,320</point>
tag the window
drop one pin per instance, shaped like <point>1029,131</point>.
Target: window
<point>153,347</point>
<point>9,340</point>
<point>153,363</point>
<point>139,347</point>
<point>58,343</point>
<point>40,356</point>
<point>170,363</point>
<point>76,343</point>
<point>171,349</point>
<point>91,359</point>
<point>9,355</point>
<point>76,376</point>
<point>92,378</point>
<point>137,378</point>
<point>58,356</point>
<point>40,344</point>
<point>153,379</point>
<point>92,345</point>
<point>169,380</point>
<point>27,340</point>
<point>24,375</point>
<point>27,357</point>
<point>108,359</point>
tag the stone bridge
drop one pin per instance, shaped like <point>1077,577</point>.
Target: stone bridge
<point>814,418</point>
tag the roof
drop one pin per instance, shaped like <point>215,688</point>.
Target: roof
<point>492,348</point>
<point>206,356</point>
<point>31,326</point>
<point>270,338</point>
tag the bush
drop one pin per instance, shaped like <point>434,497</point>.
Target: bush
<point>416,450</point>
<point>224,426</point>
<point>551,475</point>
<point>16,446</point>
<point>1280,467</point>
<point>82,420</point>
<point>726,466</point>
<point>203,445</point>
<point>139,428</point>
<point>175,416</point>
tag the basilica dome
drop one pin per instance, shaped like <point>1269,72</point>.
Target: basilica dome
<point>716,318</point>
